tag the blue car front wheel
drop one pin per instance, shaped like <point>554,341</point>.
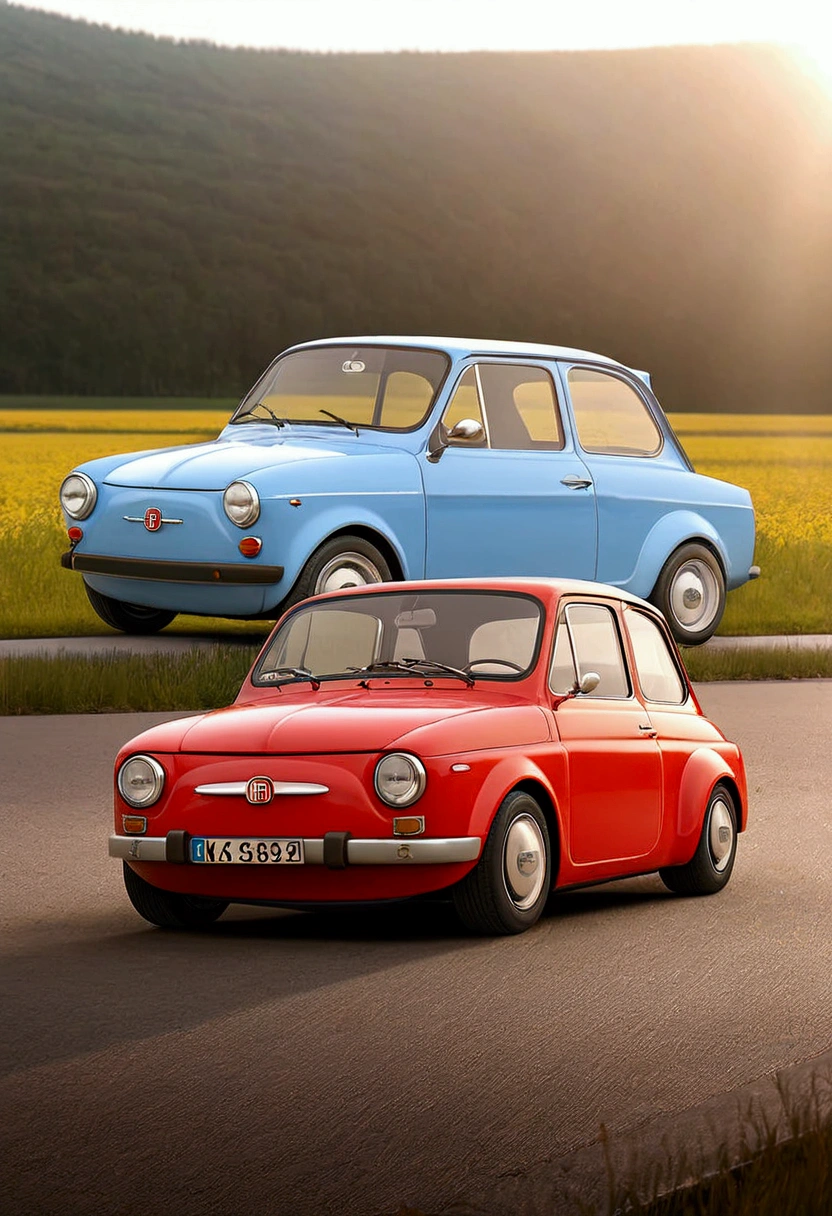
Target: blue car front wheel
<point>129,618</point>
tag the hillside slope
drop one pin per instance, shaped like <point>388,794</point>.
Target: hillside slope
<point>174,214</point>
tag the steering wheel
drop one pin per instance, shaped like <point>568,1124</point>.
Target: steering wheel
<point>502,662</point>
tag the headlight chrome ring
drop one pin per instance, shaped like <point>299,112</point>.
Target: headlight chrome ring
<point>400,779</point>
<point>241,503</point>
<point>78,495</point>
<point>141,780</point>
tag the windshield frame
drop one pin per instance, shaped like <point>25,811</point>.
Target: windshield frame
<point>254,394</point>
<point>258,680</point>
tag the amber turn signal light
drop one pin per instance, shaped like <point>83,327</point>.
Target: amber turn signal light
<point>250,546</point>
<point>74,534</point>
<point>408,825</point>
<point>134,825</point>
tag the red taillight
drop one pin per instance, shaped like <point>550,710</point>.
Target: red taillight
<point>74,534</point>
<point>250,546</point>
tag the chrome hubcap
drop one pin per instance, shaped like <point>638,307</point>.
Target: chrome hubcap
<point>694,594</point>
<point>524,861</point>
<point>720,835</point>
<point>347,570</point>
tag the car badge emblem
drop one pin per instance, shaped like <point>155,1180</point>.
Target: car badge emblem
<point>259,790</point>
<point>153,519</point>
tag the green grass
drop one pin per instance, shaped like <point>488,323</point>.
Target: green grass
<point>792,595</point>
<point>757,664</point>
<point>207,678</point>
<point>204,678</point>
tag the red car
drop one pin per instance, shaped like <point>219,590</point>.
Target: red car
<point>492,738</point>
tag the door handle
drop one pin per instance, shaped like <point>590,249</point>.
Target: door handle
<point>575,483</point>
<point>647,731</point>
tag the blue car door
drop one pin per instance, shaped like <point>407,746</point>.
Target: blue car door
<point>638,476</point>
<point>514,497</point>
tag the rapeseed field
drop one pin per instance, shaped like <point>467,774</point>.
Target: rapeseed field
<point>785,461</point>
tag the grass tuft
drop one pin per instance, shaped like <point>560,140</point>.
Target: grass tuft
<point>787,663</point>
<point>207,678</point>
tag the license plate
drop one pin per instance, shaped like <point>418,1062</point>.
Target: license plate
<point>217,850</point>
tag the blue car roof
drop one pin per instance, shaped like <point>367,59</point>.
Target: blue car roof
<point>472,346</point>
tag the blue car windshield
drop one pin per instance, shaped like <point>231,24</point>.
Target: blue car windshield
<point>483,634</point>
<point>386,388</point>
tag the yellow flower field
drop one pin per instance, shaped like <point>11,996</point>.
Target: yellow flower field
<point>785,461</point>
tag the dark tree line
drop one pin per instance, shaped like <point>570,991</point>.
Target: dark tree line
<point>175,214</point>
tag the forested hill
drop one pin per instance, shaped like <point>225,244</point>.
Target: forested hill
<point>174,214</point>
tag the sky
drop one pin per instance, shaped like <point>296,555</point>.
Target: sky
<point>457,25</point>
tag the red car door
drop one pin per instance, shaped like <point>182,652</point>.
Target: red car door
<point>614,762</point>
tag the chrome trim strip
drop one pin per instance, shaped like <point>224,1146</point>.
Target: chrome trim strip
<point>237,789</point>
<point>138,848</point>
<point>413,850</point>
<point>385,852</point>
<point>139,519</point>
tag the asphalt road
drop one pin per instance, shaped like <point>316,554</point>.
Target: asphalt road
<point>312,1064</point>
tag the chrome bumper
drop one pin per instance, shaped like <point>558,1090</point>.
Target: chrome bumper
<point>336,850</point>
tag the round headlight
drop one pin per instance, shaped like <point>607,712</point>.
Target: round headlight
<point>78,495</point>
<point>241,504</point>
<point>400,779</point>
<point>140,780</point>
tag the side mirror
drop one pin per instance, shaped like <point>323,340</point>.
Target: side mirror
<point>466,428</point>
<point>588,683</point>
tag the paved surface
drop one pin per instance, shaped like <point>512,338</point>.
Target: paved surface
<point>292,1064</point>
<point>171,643</point>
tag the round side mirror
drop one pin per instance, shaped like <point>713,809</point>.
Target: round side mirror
<point>466,428</point>
<point>589,681</point>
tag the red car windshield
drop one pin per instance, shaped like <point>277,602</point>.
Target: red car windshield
<point>485,635</point>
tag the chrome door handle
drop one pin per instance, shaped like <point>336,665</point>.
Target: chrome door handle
<point>647,731</point>
<point>575,483</point>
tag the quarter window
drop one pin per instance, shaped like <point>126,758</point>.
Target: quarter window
<point>610,416</point>
<point>518,402</point>
<point>657,673</point>
<point>596,647</point>
<point>465,403</point>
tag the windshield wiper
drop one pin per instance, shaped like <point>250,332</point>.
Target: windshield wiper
<point>414,666</point>
<point>337,418</point>
<point>290,674</point>
<point>262,406</point>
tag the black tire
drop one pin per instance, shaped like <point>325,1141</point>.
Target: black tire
<point>485,900</point>
<point>358,559</point>
<point>168,910</point>
<point>710,867</point>
<point>690,592</point>
<point>129,618</point>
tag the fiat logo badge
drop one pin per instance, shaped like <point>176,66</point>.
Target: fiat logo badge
<point>153,519</point>
<point>259,790</point>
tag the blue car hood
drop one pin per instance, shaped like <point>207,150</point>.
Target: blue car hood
<point>212,466</point>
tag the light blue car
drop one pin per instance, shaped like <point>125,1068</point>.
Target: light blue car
<point>358,460</point>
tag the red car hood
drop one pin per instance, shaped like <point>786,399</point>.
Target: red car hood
<point>353,721</point>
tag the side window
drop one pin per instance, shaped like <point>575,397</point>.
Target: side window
<point>610,415</point>
<point>465,403</point>
<point>521,407</point>
<point>657,674</point>
<point>597,648</point>
<point>562,671</point>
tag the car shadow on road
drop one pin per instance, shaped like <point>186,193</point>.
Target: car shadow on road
<point>66,997</point>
